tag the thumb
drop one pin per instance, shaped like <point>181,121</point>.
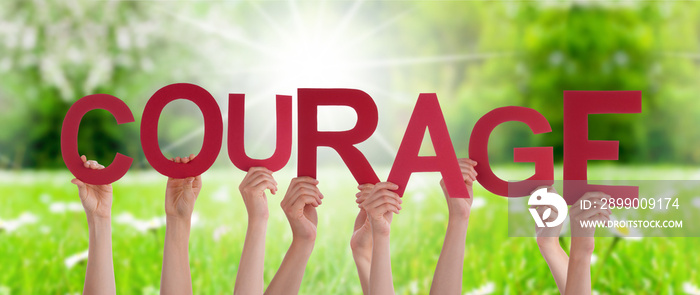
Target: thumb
<point>77,182</point>
<point>81,188</point>
<point>188,186</point>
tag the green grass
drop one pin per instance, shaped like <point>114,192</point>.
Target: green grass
<point>32,257</point>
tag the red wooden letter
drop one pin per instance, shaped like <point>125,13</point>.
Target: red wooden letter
<point>541,156</point>
<point>428,115</point>
<point>341,141</point>
<point>69,139</point>
<point>236,142</point>
<point>213,130</point>
<point>578,149</point>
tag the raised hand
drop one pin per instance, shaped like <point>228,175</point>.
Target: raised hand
<point>460,207</point>
<point>299,204</point>
<point>548,243</point>
<point>97,202</point>
<point>96,199</point>
<point>448,272</point>
<point>361,241</point>
<point>252,188</point>
<point>381,204</point>
<point>181,193</point>
<point>543,233</point>
<point>249,278</point>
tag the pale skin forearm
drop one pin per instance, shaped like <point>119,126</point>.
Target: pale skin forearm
<point>380,280</point>
<point>175,277</point>
<point>448,272</point>
<point>288,278</point>
<point>363,263</point>
<point>99,278</point>
<point>249,279</point>
<point>579,271</point>
<point>556,259</point>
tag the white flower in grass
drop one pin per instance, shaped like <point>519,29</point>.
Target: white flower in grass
<point>220,232</point>
<point>142,225</point>
<point>696,202</point>
<point>419,197</point>
<point>63,207</point>
<point>221,195</point>
<point>75,259</point>
<point>194,221</point>
<point>485,289</point>
<point>150,290</point>
<point>45,198</point>
<point>594,258</point>
<point>13,224</point>
<point>691,289</point>
<point>413,287</point>
<point>478,202</point>
<point>625,232</point>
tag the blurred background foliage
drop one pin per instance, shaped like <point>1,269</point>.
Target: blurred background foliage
<point>476,55</point>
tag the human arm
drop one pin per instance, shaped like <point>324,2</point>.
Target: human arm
<point>97,202</point>
<point>548,243</point>
<point>180,196</point>
<point>381,204</point>
<point>249,279</point>
<point>578,280</point>
<point>299,204</point>
<point>361,241</point>
<point>448,272</point>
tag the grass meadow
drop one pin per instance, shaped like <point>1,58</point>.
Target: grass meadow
<point>41,254</point>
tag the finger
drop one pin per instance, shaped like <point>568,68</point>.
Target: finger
<point>266,184</point>
<point>469,181</point>
<point>259,169</point>
<point>304,200</point>
<point>305,179</point>
<point>386,199</point>
<point>177,160</point>
<point>385,185</point>
<point>468,161</point>
<point>385,195</point>
<point>197,182</point>
<point>260,176</point>
<point>361,197</point>
<point>185,160</point>
<point>470,175</point>
<point>379,198</point>
<point>310,186</point>
<point>83,158</point>
<point>77,182</point>
<point>365,186</point>
<point>192,156</point>
<point>305,189</point>
<point>388,208</point>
